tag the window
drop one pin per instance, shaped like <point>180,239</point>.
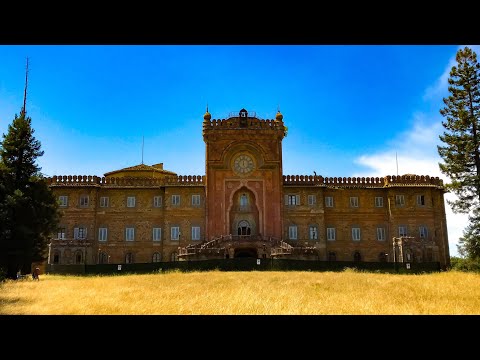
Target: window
<point>63,200</point>
<point>357,256</point>
<point>332,256</point>
<point>195,232</point>
<point>409,255</point>
<point>80,233</point>
<point>103,258</point>
<point>78,257</point>
<point>312,200</point>
<point>128,258</point>
<point>293,199</point>
<point>104,201</point>
<point>353,201</point>
<point>62,233</point>
<point>173,256</point>
<point>130,201</point>
<point>329,201</point>
<point>56,257</point>
<point>422,230</point>
<point>421,200</point>
<point>243,200</point>
<point>84,200</point>
<point>129,234</point>
<point>174,233</point>
<point>402,230</point>
<point>399,200</point>
<point>157,257</point>
<point>157,201</point>
<point>330,233</point>
<point>175,199</point>
<point>380,233</point>
<point>356,234</point>
<point>102,234</point>
<point>313,232</point>
<point>292,232</point>
<point>195,200</point>
<point>157,234</point>
<point>378,201</point>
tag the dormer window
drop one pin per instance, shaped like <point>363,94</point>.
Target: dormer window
<point>243,113</point>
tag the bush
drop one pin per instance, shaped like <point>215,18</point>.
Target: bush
<point>3,275</point>
<point>461,264</point>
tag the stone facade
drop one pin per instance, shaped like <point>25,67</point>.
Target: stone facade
<point>245,206</point>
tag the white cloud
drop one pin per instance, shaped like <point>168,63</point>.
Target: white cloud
<point>415,151</point>
<point>440,87</point>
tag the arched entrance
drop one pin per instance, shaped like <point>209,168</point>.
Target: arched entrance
<point>245,253</point>
<point>244,214</point>
<point>243,228</point>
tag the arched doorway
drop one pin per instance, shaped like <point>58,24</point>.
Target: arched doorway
<point>244,228</point>
<point>245,253</point>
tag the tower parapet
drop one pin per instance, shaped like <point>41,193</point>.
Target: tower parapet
<point>243,120</point>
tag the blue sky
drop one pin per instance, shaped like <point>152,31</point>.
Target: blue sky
<point>351,110</point>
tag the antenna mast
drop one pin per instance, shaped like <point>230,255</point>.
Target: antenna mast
<point>396,160</point>
<point>24,109</point>
<point>143,137</point>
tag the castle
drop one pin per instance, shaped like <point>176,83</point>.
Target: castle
<point>244,206</point>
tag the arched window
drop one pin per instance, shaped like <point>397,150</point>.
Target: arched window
<point>173,256</point>
<point>243,200</point>
<point>382,257</point>
<point>103,258</point>
<point>157,257</point>
<point>409,255</point>
<point>357,256</point>
<point>78,257</point>
<point>56,257</point>
<point>332,256</point>
<point>129,258</point>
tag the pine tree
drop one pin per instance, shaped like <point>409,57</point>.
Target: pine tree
<point>461,153</point>
<point>469,243</point>
<point>28,209</point>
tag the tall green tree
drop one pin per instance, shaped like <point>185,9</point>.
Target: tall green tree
<point>461,152</point>
<point>28,208</point>
<point>469,243</point>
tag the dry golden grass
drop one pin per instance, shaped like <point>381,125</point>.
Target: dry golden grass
<point>236,293</point>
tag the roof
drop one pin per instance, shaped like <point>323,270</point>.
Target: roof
<point>158,168</point>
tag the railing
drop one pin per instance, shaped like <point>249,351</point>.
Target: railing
<point>70,242</point>
<point>219,243</point>
<point>363,181</point>
<point>126,181</point>
<point>242,208</point>
<point>237,114</point>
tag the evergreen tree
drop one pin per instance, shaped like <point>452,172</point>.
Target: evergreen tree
<point>461,153</point>
<point>469,243</point>
<point>28,209</point>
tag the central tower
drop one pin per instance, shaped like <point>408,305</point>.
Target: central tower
<point>243,175</point>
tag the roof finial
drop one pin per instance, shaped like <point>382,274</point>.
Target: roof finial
<point>207,106</point>
<point>278,107</point>
<point>24,109</point>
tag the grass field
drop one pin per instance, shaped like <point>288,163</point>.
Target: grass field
<point>245,293</point>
